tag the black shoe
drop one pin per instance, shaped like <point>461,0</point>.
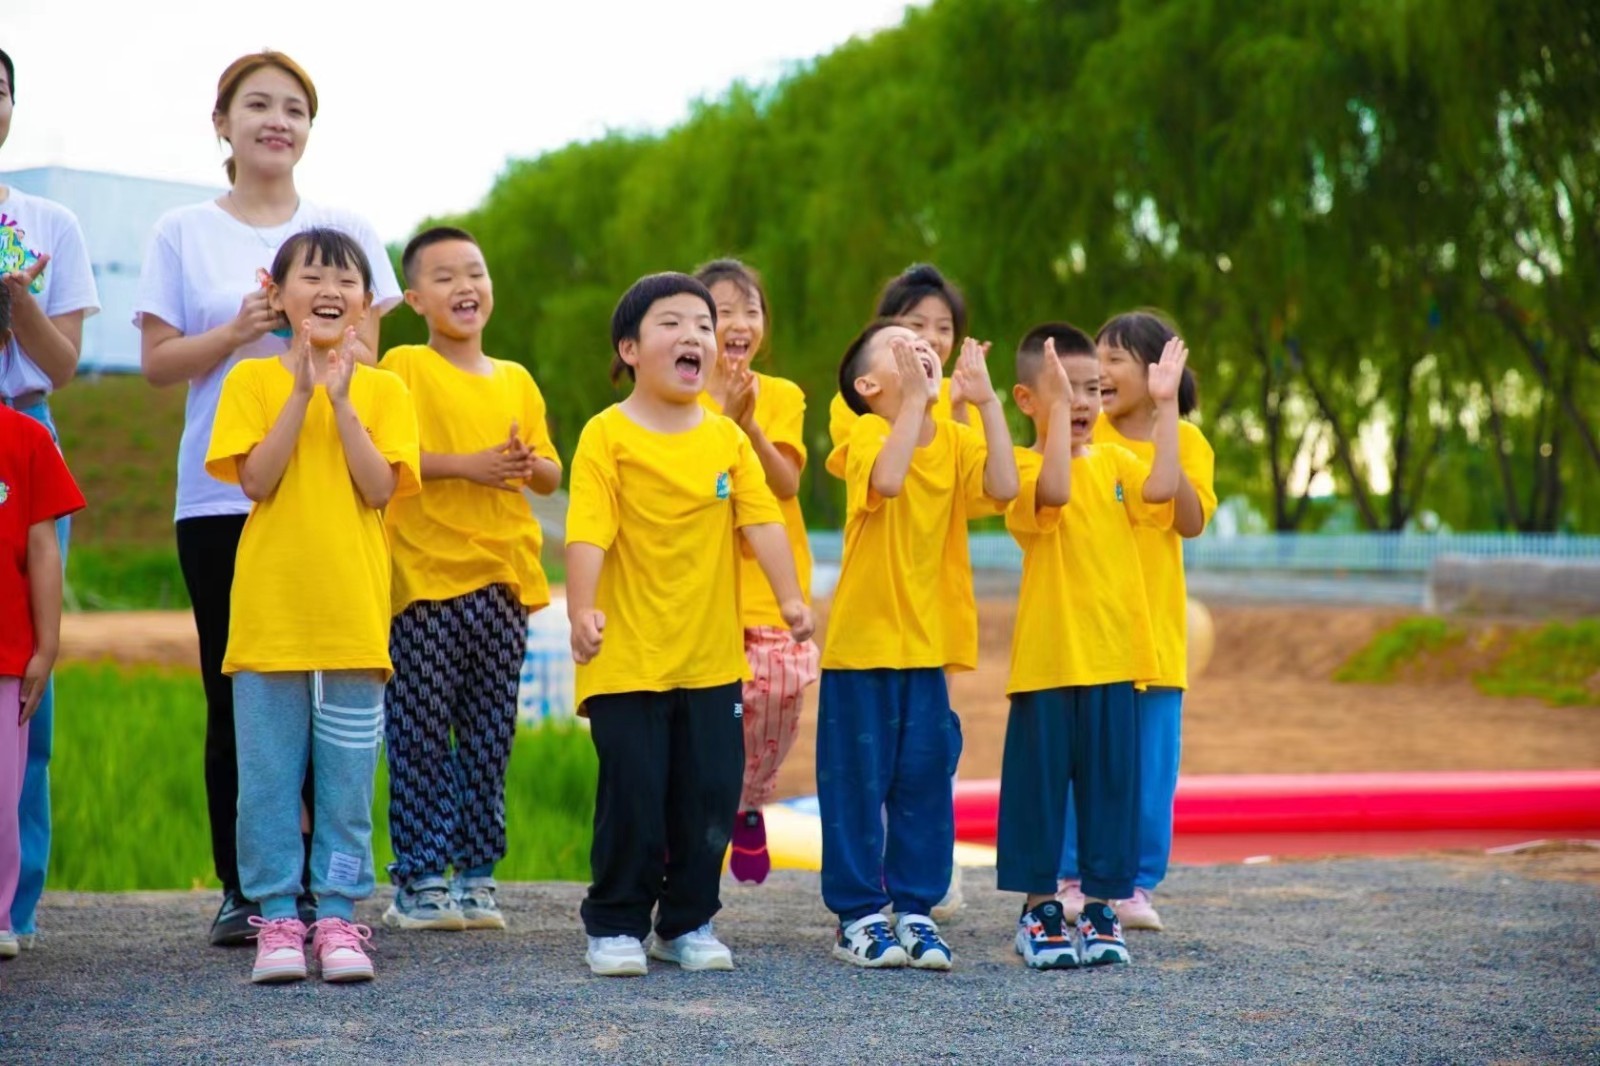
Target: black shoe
<point>231,928</point>
<point>306,905</point>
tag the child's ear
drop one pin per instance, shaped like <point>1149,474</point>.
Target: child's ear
<point>366,302</point>
<point>867,386</point>
<point>414,301</point>
<point>274,296</point>
<point>628,351</point>
<point>1024,397</point>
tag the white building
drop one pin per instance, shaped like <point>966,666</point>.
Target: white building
<point>118,212</point>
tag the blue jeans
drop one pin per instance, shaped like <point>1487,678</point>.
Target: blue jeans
<point>887,745</point>
<point>334,717</point>
<point>1160,743</point>
<point>33,813</point>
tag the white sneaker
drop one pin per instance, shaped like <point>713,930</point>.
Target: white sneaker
<point>920,940</point>
<point>871,943</point>
<point>953,900</point>
<point>616,956</point>
<point>698,949</point>
<point>10,946</point>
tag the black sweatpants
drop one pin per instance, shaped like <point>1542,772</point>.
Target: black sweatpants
<point>671,772</point>
<point>206,550</point>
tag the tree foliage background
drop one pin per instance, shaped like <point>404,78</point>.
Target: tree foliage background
<point>1374,220</point>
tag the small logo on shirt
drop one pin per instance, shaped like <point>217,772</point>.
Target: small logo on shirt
<point>722,485</point>
<point>5,492</point>
<point>738,710</point>
<point>1120,498</point>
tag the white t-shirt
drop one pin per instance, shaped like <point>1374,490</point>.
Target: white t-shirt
<point>201,261</point>
<point>31,226</point>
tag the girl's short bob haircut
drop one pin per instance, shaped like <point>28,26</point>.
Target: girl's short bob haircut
<point>918,282</point>
<point>853,365</point>
<point>1144,334</point>
<point>636,303</point>
<point>324,245</point>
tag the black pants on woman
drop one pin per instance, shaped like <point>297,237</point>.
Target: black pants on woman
<point>206,550</point>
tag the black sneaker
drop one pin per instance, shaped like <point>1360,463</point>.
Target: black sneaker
<point>1101,936</point>
<point>231,927</point>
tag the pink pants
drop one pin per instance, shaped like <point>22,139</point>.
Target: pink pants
<point>13,760</point>
<point>774,696</point>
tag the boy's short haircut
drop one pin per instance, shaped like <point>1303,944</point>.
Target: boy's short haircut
<point>636,303</point>
<point>5,310</point>
<point>853,365</point>
<point>1070,340</point>
<point>325,245</point>
<point>11,74</point>
<point>430,236</point>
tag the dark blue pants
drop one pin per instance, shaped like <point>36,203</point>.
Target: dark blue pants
<point>1082,738</point>
<point>887,743</point>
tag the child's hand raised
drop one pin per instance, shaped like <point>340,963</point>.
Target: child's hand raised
<point>970,383</point>
<point>798,616</point>
<point>740,404</point>
<point>305,377</point>
<point>1053,387</point>
<point>588,630</point>
<point>342,366</point>
<point>1165,377</point>
<point>917,387</point>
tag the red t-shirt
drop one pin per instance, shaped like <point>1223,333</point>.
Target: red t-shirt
<point>34,487</point>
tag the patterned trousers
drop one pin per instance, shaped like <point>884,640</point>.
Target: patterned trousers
<point>456,667</point>
<point>774,697</point>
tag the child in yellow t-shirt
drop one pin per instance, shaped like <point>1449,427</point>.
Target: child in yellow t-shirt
<point>1082,642</point>
<point>771,411</point>
<point>321,445</point>
<point>466,575</point>
<point>1128,345</point>
<point>932,306</point>
<point>661,491</point>
<point>903,613</point>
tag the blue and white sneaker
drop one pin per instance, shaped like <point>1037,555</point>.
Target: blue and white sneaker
<point>475,899</point>
<point>1045,940</point>
<point>425,903</point>
<point>871,943</point>
<point>1101,936</point>
<point>923,945</point>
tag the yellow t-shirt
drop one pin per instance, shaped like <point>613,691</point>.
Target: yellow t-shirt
<point>1161,550</point>
<point>1082,615</point>
<point>841,420</point>
<point>459,536</point>
<point>904,598</point>
<point>311,580</point>
<point>665,508</point>
<point>780,412</point>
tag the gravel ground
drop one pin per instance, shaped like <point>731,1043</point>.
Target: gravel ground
<point>1370,962</point>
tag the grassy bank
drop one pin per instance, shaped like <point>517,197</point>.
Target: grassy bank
<point>129,788</point>
<point>1558,662</point>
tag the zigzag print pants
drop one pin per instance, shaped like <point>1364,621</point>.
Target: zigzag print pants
<point>456,668</point>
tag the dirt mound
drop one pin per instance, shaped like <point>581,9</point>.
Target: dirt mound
<point>1282,642</point>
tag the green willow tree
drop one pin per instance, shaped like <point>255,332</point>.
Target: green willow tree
<point>1375,222</point>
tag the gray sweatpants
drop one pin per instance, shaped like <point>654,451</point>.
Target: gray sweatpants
<point>280,718</point>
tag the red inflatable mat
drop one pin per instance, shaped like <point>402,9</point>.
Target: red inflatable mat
<point>1552,802</point>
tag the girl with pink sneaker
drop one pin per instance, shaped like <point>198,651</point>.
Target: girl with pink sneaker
<point>320,444</point>
<point>771,411</point>
<point>1127,346</point>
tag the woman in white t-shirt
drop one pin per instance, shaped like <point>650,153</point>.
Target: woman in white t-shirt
<point>201,308</point>
<point>44,264</point>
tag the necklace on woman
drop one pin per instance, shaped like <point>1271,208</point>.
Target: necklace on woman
<point>239,211</point>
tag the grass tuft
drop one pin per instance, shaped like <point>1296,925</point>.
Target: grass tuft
<point>129,788</point>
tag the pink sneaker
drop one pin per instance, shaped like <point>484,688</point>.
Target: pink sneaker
<point>1138,912</point>
<point>340,949</point>
<point>280,950</point>
<point>750,860</point>
<point>1070,893</point>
